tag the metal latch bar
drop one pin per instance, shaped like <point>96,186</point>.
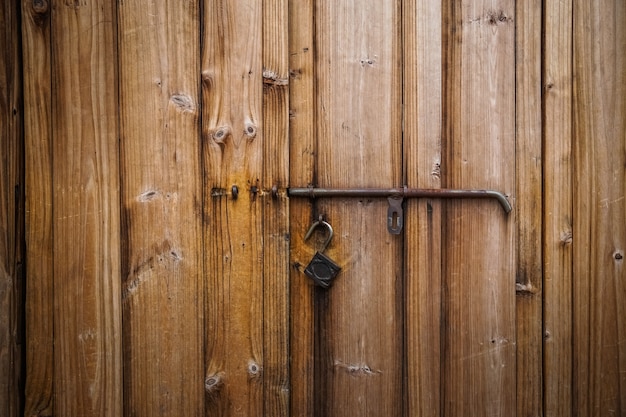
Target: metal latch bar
<point>395,196</point>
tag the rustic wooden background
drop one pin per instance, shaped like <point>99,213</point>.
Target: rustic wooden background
<point>151,261</point>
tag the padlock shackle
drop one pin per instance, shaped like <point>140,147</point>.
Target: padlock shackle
<point>317,224</point>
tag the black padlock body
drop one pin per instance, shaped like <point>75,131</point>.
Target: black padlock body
<point>322,270</point>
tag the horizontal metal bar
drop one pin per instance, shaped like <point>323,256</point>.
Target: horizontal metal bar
<point>313,192</point>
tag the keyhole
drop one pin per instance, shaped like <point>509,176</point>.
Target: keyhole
<point>394,216</point>
<point>394,220</point>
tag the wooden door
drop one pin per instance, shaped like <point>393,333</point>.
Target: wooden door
<point>164,256</point>
<point>423,94</point>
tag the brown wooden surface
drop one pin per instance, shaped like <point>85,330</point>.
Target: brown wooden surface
<point>479,374</point>
<point>599,285</point>
<point>302,158</point>
<point>423,27</point>
<point>162,269</point>
<point>470,312</point>
<point>358,369</point>
<point>557,208</point>
<point>528,203</point>
<point>85,169</point>
<point>275,216</point>
<point>38,177</point>
<point>233,138</point>
<point>11,211</point>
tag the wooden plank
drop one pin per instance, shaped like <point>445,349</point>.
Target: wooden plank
<point>233,138</point>
<point>422,152</point>
<point>11,211</point>
<point>162,269</point>
<point>358,369</point>
<point>87,320</point>
<point>302,157</point>
<point>39,355</point>
<point>479,372</point>
<point>557,202</point>
<point>599,296</point>
<point>275,216</point>
<point>528,204</point>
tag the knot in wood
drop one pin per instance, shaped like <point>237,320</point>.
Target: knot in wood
<point>183,102</point>
<point>250,130</point>
<point>254,370</point>
<point>40,6</point>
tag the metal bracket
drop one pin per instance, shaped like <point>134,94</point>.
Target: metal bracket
<point>395,217</point>
<point>395,197</point>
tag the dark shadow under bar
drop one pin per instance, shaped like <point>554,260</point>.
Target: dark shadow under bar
<point>312,192</point>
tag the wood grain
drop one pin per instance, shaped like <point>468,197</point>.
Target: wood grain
<point>599,287</point>
<point>233,150</point>
<point>479,374</point>
<point>528,204</point>
<point>358,369</point>
<point>85,169</point>
<point>302,172</point>
<point>275,208</point>
<point>471,312</point>
<point>557,208</point>
<point>422,155</point>
<point>39,355</point>
<point>162,269</point>
<point>11,212</point>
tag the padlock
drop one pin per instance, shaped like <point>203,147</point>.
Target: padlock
<point>322,270</point>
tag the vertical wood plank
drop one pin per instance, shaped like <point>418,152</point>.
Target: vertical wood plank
<point>479,246</point>
<point>422,151</point>
<point>87,320</point>
<point>302,172</point>
<point>11,211</point>
<point>232,129</point>
<point>275,218</point>
<point>528,204</point>
<point>38,177</point>
<point>557,211</point>
<point>162,247</point>
<point>358,368</point>
<point>599,285</point>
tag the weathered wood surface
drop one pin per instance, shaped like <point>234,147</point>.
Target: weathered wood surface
<point>557,208</point>
<point>423,27</point>
<point>599,229</point>
<point>528,205</point>
<point>302,158</point>
<point>275,215</point>
<point>38,218</point>
<point>162,268</point>
<point>479,376</point>
<point>358,358</point>
<point>85,170</point>
<point>11,211</point>
<point>233,138</point>
<point>269,94</point>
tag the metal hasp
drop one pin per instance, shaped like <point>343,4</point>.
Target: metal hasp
<point>395,197</point>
